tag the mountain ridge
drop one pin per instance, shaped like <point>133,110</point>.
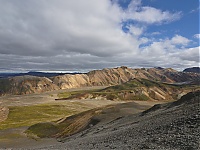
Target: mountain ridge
<point>193,69</point>
<point>105,77</point>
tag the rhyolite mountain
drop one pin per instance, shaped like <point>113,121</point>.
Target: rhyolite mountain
<point>135,89</point>
<point>106,77</point>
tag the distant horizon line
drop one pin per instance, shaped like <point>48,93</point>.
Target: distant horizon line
<point>41,71</point>
<point>81,71</point>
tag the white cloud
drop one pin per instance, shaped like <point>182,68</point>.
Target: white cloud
<point>164,46</point>
<point>81,35</point>
<point>150,15</point>
<point>190,54</point>
<point>134,6</point>
<point>144,40</point>
<point>49,27</point>
<point>177,39</point>
<point>171,53</point>
<point>155,33</point>
<point>197,36</point>
<point>136,31</point>
<point>153,15</point>
<point>195,10</point>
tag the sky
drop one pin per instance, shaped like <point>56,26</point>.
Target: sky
<point>82,35</point>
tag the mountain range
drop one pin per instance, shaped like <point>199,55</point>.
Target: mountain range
<point>28,84</point>
<point>108,109</point>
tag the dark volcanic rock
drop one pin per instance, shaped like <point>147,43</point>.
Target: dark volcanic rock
<point>194,69</point>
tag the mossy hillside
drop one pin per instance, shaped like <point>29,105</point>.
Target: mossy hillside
<point>66,127</point>
<point>29,115</point>
<point>114,95</point>
<point>131,90</point>
<point>116,92</point>
<point>76,123</point>
<point>66,95</point>
<point>133,84</point>
<point>109,93</point>
<point>42,130</point>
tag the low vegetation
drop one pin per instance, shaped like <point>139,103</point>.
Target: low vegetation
<point>132,84</point>
<point>43,130</point>
<point>64,127</point>
<point>66,95</point>
<point>135,89</point>
<point>84,120</point>
<point>29,115</point>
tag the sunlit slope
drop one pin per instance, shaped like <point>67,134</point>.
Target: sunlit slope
<point>135,89</point>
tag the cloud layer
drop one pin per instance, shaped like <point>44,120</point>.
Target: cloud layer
<point>83,35</point>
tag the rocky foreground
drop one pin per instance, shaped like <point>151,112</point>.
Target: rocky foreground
<point>170,126</point>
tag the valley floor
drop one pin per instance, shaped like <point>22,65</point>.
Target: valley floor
<point>15,137</point>
<point>171,126</point>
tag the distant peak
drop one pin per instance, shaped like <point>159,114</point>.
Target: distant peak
<point>121,67</point>
<point>159,68</point>
<point>193,69</point>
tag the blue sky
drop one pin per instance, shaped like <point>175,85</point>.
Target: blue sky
<point>187,25</point>
<point>79,35</point>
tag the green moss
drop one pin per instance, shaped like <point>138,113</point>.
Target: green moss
<point>119,91</point>
<point>117,87</point>
<point>69,126</point>
<point>141,97</point>
<point>43,130</point>
<point>132,84</point>
<point>149,83</point>
<point>75,93</point>
<point>64,94</point>
<point>29,115</point>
